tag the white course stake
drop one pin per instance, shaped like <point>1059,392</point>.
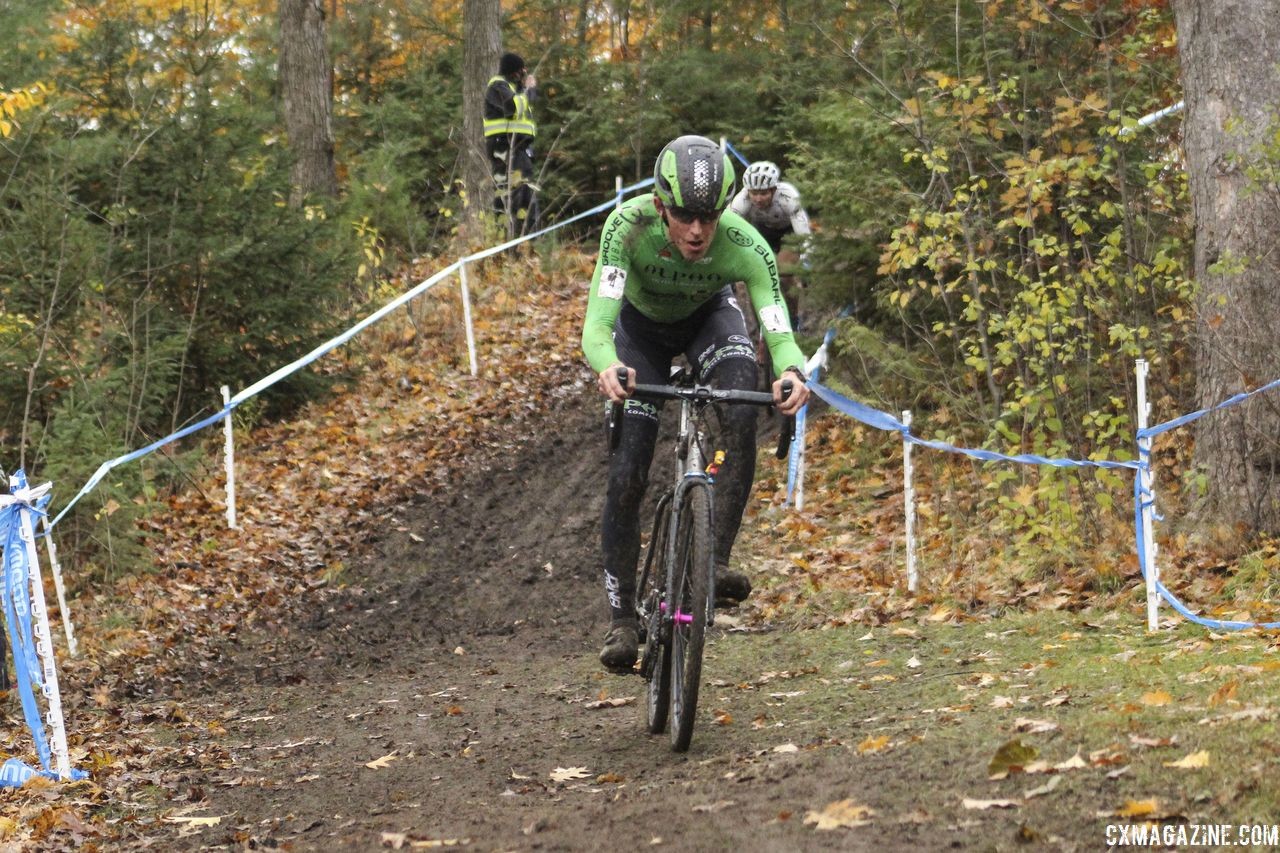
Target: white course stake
<point>909,499</point>
<point>44,650</point>
<point>799,437</point>
<point>617,190</point>
<point>56,568</point>
<point>229,459</point>
<point>1147,496</point>
<point>466,317</point>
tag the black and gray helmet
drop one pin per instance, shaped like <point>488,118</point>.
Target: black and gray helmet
<point>694,174</point>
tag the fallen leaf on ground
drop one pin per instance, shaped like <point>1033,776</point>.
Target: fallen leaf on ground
<point>1225,693</point>
<point>1046,788</point>
<point>786,747</point>
<point>1192,761</point>
<point>564,774</point>
<point>1107,756</point>
<point>1139,808</point>
<point>717,806</point>
<point>839,815</point>
<point>1139,740</point>
<point>722,717</point>
<point>873,744</point>
<point>1013,755</point>
<point>1156,698</point>
<point>1075,762</point>
<point>616,702</point>
<point>1030,726</point>
<point>983,805</point>
<point>191,820</point>
<point>433,843</point>
<point>381,763</point>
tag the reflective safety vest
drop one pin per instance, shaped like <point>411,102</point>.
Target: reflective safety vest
<point>522,122</point>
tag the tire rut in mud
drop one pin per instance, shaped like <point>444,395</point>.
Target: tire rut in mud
<point>509,551</point>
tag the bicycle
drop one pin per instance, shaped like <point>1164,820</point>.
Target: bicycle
<point>682,540</point>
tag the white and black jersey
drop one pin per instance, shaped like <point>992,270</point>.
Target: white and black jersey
<point>784,216</point>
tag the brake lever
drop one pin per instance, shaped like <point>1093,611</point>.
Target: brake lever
<point>788,428</point>
<point>614,425</point>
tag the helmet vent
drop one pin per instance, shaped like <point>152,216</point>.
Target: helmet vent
<point>702,179</point>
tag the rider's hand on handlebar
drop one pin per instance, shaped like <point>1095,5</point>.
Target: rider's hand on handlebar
<point>798,397</point>
<point>612,387</point>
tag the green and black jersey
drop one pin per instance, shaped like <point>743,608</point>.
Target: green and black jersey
<point>638,263</point>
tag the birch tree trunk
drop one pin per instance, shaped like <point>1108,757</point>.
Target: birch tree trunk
<point>1230,55</point>
<point>307,95</point>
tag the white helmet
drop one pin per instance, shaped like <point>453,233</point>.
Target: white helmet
<point>761,175</point>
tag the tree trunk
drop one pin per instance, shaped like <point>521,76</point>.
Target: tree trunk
<point>1230,52</point>
<point>481,45</point>
<point>307,94</point>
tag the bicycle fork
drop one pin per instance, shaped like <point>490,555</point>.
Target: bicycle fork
<point>703,480</point>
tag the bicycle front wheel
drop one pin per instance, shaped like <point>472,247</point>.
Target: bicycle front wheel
<point>694,564</point>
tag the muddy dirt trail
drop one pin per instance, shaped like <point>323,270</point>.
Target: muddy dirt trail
<point>450,695</point>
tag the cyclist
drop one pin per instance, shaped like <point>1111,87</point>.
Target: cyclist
<point>773,207</point>
<point>662,287</point>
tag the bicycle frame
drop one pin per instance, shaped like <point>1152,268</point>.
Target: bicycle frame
<point>689,469</point>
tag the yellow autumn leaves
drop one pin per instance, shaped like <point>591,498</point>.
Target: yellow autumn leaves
<point>12,103</point>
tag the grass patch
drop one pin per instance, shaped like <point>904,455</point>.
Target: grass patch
<point>1103,712</point>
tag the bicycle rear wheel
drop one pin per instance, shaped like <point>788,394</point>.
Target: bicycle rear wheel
<point>655,664</point>
<point>694,563</point>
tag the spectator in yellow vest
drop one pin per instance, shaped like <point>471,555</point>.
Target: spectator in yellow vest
<point>509,130</point>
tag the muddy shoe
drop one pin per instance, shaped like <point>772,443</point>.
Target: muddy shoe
<point>731,587</point>
<point>620,647</point>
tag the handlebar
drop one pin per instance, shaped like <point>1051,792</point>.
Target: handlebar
<point>705,394</point>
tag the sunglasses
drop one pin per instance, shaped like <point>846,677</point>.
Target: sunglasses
<point>688,217</point>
